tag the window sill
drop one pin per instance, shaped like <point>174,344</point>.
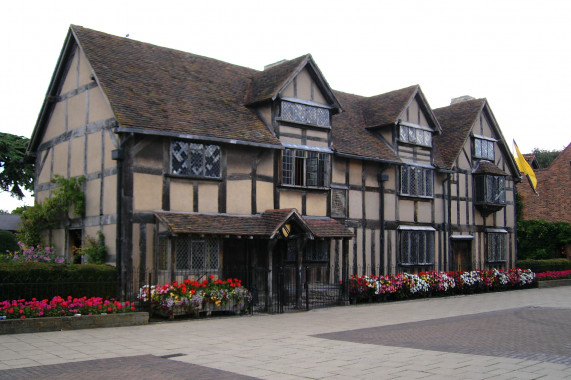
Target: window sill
<point>416,265</point>
<point>295,187</point>
<point>416,197</point>
<point>179,176</point>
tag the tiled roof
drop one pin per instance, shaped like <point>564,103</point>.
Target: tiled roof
<point>388,107</point>
<point>486,167</point>
<point>267,83</point>
<point>158,89</point>
<point>263,225</point>
<point>350,135</point>
<point>553,203</point>
<point>456,121</point>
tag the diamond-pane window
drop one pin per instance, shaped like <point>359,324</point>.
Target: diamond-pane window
<point>416,247</point>
<point>483,149</point>
<point>196,254</point>
<point>415,135</point>
<point>496,246</point>
<point>305,114</point>
<point>195,160</point>
<point>416,181</point>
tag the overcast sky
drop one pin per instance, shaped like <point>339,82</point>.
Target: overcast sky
<point>517,54</point>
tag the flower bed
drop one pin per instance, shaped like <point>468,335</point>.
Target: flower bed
<point>61,307</point>
<point>553,275</point>
<point>192,297</point>
<point>407,285</point>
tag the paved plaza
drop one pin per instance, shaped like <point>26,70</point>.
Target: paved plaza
<point>523,334</point>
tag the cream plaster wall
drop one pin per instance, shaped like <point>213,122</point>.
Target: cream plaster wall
<point>371,172</point>
<point>316,204</point>
<point>406,210</point>
<point>355,203</point>
<point>181,195</point>
<point>98,107</point>
<point>238,198</point>
<point>76,113</point>
<point>84,71</point>
<point>92,197</point>
<point>208,197</point>
<point>290,199</point>
<point>70,81</point>
<point>355,173</point>
<point>110,233</point>
<point>45,173</point>
<point>239,161</point>
<point>372,205</point>
<point>338,172</point>
<point>77,156</point>
<point>264,196</point>
<point>424,212</point>
<point>266,165</point>
<point>60,160</point>
<point>110,195</point>
<point>109,146</point>
<point>147,192</point>
<point>56,124</point>
<point>94,152</point>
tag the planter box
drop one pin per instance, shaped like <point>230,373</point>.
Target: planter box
<point>33,325</point>
<point>554,283</point>
<point>230,306</point>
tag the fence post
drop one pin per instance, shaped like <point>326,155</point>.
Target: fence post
<point>149,296</point>
<point>306,286</point>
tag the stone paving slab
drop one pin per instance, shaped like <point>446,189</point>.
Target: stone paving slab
<point>533,333</point>
<point>141,367</point>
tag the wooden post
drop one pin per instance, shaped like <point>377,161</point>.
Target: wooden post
<point>346,270</point>
<point>300,246</point>
<point>270,290</point>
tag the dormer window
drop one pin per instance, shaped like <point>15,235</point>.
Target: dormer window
<point>305,113</point>
<point>415,135</point>
<point>484,148</point>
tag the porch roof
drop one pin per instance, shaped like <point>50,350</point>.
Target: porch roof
<point>264,225</point>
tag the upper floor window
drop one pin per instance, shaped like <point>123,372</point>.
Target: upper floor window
<point>415,135</point>
<point>496,246</point>
<point>490,189</point>
<point>305,168</point>
<point>195,160</point>
<point>484,148</point>
<point>416,181</point>
<point>416,247</point>
<point>305,114</point>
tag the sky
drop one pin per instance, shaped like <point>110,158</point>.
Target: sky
<point>516,54</point>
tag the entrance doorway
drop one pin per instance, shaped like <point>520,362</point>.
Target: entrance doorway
<point>462,254</point>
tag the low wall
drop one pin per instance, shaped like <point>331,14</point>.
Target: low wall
<point>33,325</point>
<point>554,283</point>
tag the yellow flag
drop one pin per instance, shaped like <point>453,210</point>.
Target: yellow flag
<point>525,168</point>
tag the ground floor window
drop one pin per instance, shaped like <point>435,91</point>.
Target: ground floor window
<point>316,251</point>
<point>416,247</point>
<point>496,246</point>
<point>189,254</point>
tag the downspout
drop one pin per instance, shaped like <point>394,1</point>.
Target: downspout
<point>382,177</point>
<point>119,155</point>
<point>447,218</point>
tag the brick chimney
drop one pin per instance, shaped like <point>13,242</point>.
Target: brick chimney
<point>461,99</point>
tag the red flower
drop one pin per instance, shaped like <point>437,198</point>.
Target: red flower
<point>211,276</point>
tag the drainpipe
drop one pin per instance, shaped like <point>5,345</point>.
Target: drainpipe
<point>119,155</point>
<point>447,217</point>
<point>382,177</point>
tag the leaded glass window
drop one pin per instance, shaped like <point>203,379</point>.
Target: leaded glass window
<point>196,254</point>
<point>415,135</point>
<point>416,247</point>
<point>490,189</point>
<point>416,181</point>
<point>305,114</point>
<point>496,246</point>
<point>305,168</point>
<point>195,160</point>
<point>484,149</point>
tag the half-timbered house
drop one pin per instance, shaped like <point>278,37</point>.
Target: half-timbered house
<point>195,166</point>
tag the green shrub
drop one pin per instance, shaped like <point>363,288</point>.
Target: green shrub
<point>44,280</point>
<point>540,266</point>
<point>540,240</point>
<point>8,242</point>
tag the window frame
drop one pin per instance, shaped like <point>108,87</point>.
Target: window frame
<point>426,180</point>
<point>169,246</point>
<point>479,142</point>
<point>204,152</point>
<point>499,254</point>
<point>411,133</point>
<point>426,249</point>
<point>484,184</point>
<point>304,112</point>
<point>296,168</point>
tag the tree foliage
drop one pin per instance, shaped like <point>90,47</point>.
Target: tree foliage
<point>538,239</point>
<point>66,197</point>
<point>545,157</point>
<point>16,174</point>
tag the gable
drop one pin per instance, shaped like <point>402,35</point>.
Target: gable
<point>304,87</point>
<point>414,113</point>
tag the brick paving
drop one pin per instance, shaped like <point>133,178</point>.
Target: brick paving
<point>542,334</point>
<point>140,367</point>
<point>286,346</point>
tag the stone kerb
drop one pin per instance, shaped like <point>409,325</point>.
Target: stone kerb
<point>554,283</point>
<point>33,325</point>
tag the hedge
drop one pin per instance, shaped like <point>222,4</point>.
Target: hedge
<point>29,280</point>
<point>539,266</point>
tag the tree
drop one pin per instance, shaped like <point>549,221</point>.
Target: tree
<point>545,157</point>
<point>16,173</point>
